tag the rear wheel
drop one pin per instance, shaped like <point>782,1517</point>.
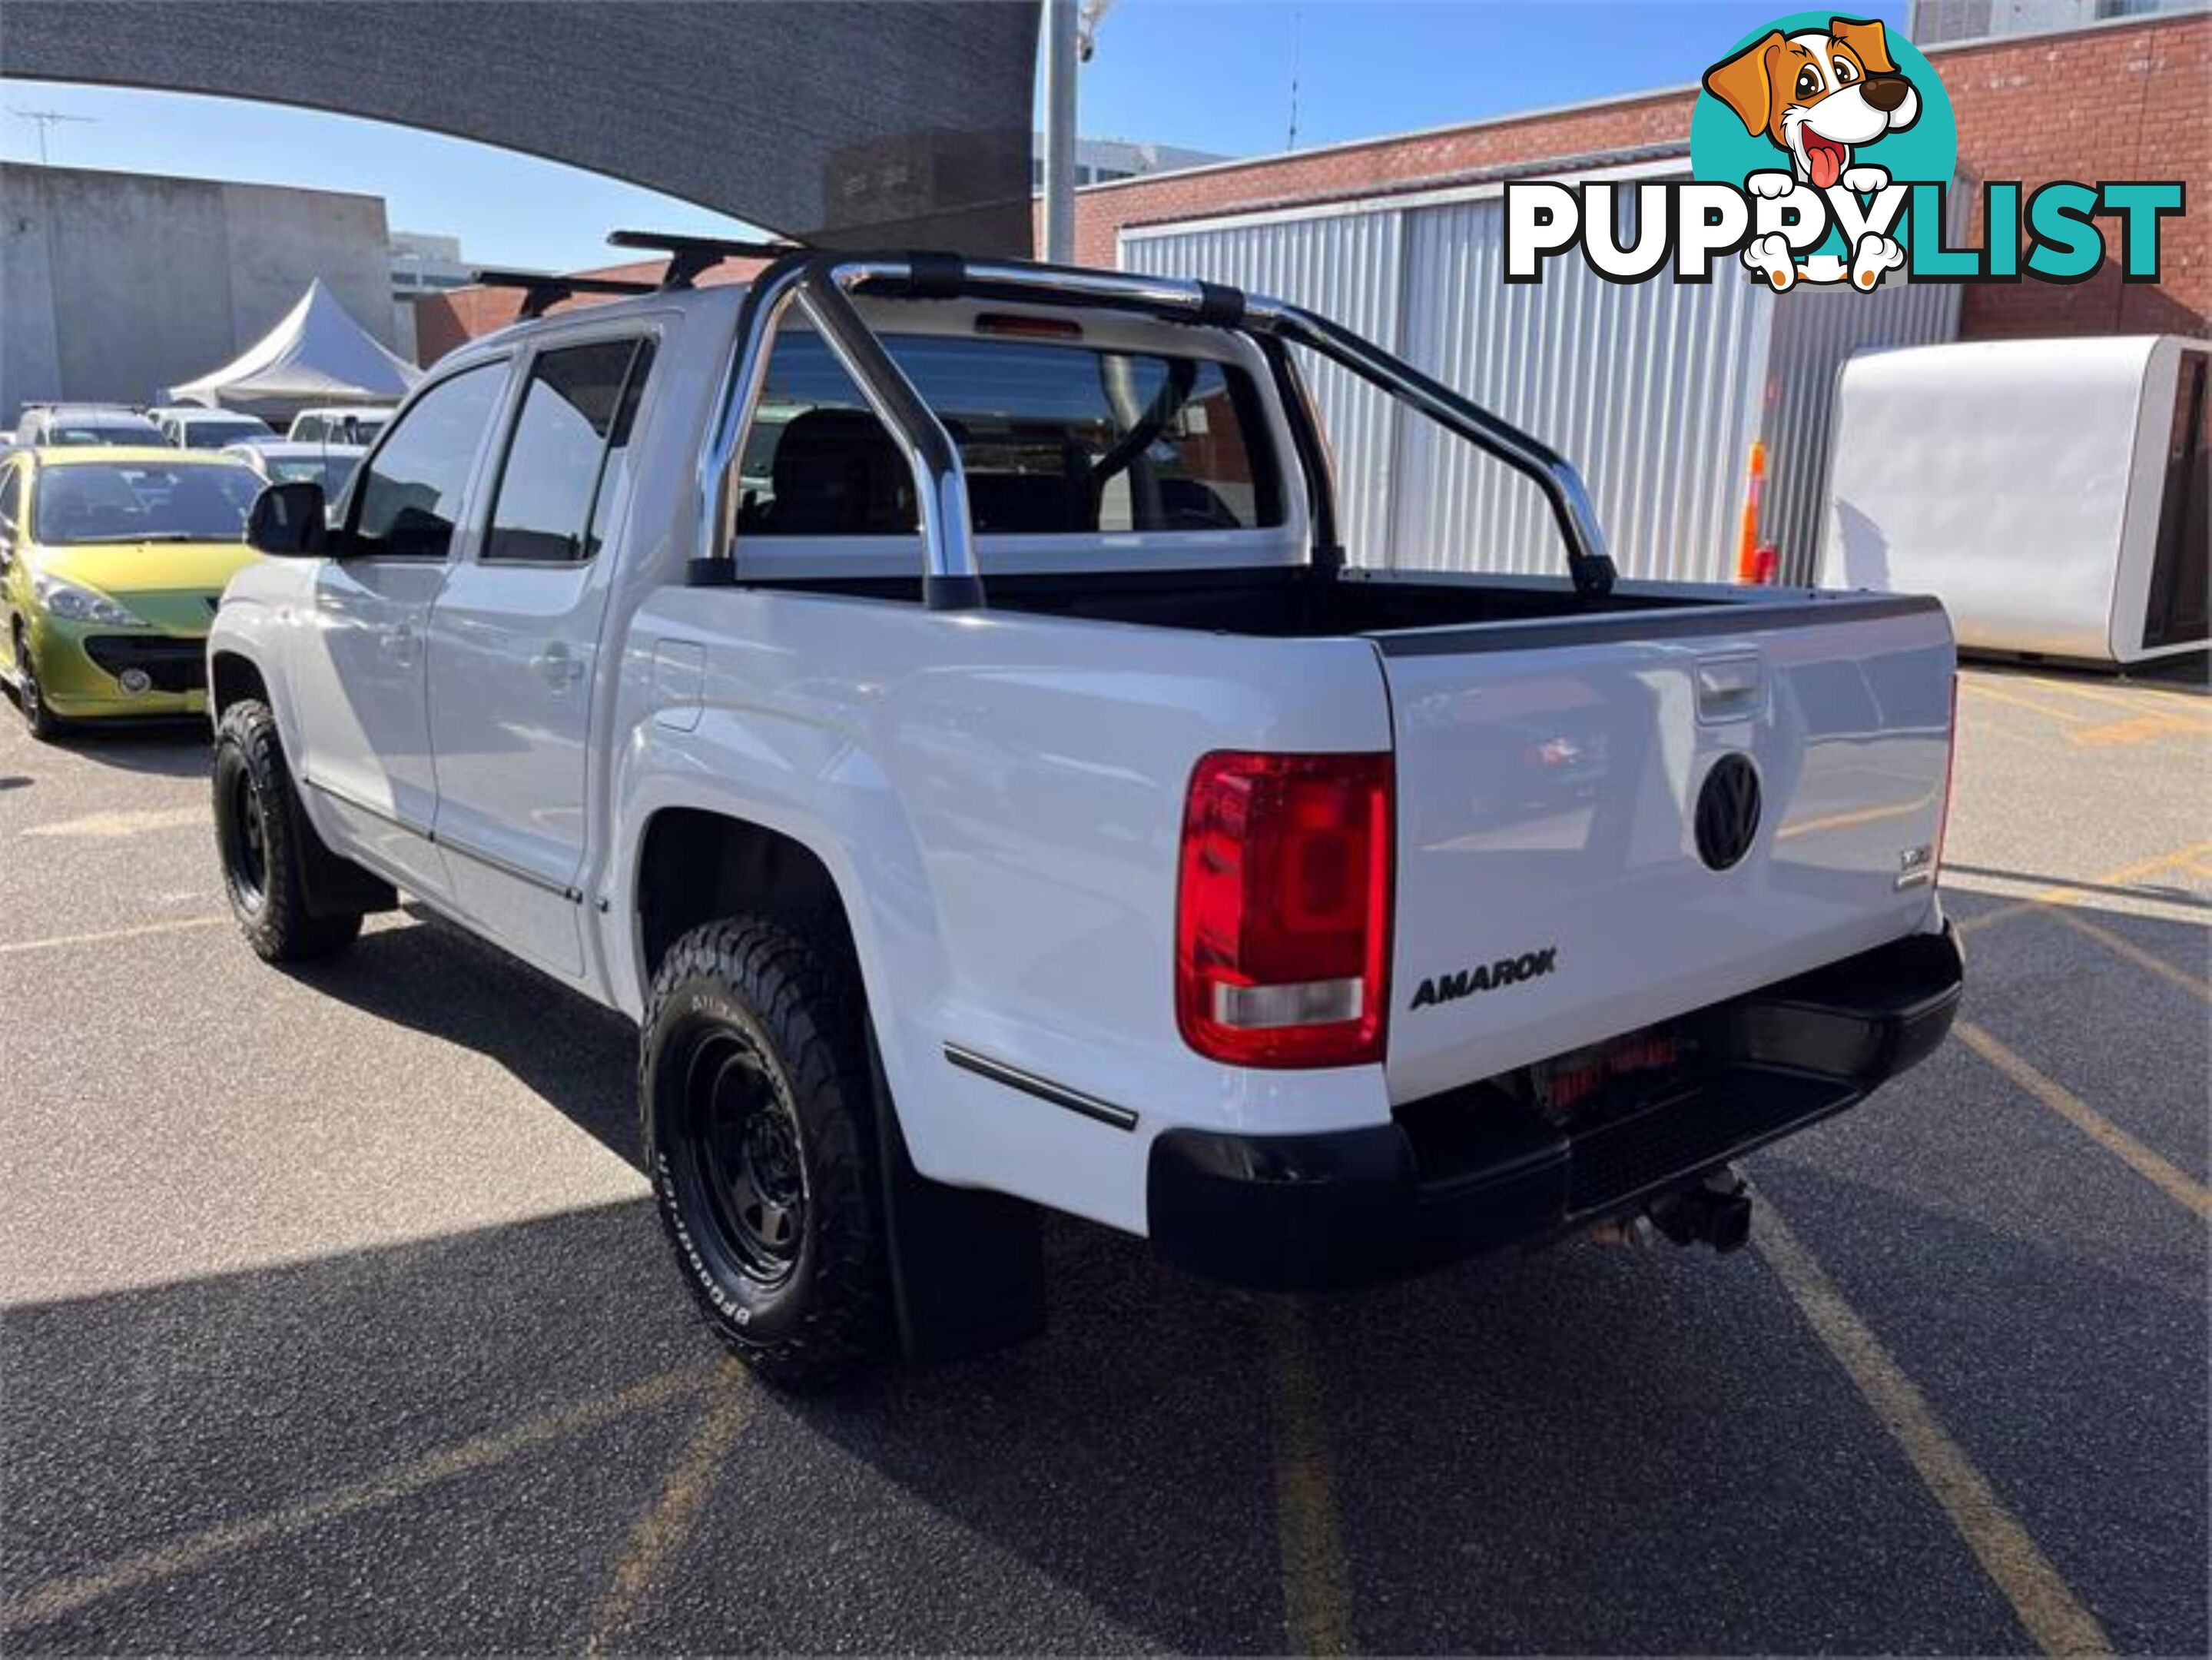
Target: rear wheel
<point>757,1122</point>
<point>30,698</point>
<point>261,839</point>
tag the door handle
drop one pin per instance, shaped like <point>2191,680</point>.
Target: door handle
<point>557,666</point>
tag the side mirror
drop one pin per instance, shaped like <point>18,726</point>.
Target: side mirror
<point>287,521</point>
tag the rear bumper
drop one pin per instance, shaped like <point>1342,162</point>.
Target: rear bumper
<point>1478,1169</point>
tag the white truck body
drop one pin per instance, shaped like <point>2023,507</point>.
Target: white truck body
<point>999,793</point>
<point>2051,492</point>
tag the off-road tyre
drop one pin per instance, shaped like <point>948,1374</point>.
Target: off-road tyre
<point>753,1088</point>
<point>46,726</point>
<point>262,842</point>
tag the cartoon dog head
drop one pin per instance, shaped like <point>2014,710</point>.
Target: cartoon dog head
<point>1818,94</point>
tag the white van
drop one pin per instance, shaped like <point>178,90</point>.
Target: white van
<point>353,423</point>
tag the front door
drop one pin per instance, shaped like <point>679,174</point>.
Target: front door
<point>515,641</point>
<point>360,679</point>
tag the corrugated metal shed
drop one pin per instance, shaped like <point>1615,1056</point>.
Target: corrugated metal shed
<point>1656,390</point>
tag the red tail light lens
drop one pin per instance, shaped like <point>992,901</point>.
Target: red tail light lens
<point>1950,772</point>
<point>1283,914</point>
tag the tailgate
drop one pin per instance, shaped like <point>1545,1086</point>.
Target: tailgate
<point>1553,885</point>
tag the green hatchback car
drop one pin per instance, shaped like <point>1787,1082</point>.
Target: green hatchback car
<point>111,562</point>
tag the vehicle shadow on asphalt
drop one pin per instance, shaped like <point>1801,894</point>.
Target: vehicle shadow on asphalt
<point>177,748</point>
<point>580,1058</point>
<point>1573,1451</point>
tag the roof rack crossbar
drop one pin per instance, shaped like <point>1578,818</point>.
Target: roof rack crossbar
<point>691,257</point>
<point>542,288</point>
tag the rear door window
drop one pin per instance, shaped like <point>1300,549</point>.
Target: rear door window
<point>564,465</point>
<point>1057,439</point>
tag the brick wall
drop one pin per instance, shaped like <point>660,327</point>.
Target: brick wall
<point>2104,103</point>
<point>443,321</point>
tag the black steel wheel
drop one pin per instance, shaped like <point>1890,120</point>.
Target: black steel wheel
<point>263,843</point>
<point>758,1116</point>
<point>245,829</point>
<point>740,1160</point>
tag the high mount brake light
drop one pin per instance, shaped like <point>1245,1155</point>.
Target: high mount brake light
<point>1283,914</point>
<point>1022,325</point>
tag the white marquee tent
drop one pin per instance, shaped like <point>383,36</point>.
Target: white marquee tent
<point>317,354</point>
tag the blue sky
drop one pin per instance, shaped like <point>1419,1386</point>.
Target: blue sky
<point>1214,75</point>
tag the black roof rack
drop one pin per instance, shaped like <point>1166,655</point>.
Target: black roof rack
<point>541,289</point>
<point>689,256</point>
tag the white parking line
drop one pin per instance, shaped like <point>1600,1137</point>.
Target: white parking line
<point>64,941</point>
<point>136,821</point>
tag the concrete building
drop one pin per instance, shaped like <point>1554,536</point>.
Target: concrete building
<point>1107,161</point>
<point>423,264</point>
<point>114,284</point>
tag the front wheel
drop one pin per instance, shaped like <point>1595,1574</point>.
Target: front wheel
<point>759,1138</point>
<point>262,842</point>
<point>30,698</point>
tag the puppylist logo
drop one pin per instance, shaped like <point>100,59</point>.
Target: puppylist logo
<point>1822,150</point>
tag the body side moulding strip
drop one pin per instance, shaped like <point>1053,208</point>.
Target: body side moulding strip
<point>1075,1101</point>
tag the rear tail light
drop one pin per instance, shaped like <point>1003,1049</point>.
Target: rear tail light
<point>1950,769</point>
<point>1282,913</point>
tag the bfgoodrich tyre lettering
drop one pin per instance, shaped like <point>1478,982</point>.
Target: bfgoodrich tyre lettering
<point>757,1116</point>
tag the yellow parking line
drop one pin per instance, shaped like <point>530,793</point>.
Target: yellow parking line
<point>2018,702</point>
<point>2135,954</point>
<point>2142,699</point>
<point>60,1597</point>
<point>1316,1585</point>
<point>2061,893</point>
<point>63,941</point>
<point>2140,729</point>
<point>2156,1169</point>
<point>2046,1606</point>
<point>661,1531</point>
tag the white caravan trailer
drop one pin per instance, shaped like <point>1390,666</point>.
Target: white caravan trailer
<point>2050,492</point>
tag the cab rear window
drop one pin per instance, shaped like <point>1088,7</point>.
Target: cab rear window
<point>1056,439</point>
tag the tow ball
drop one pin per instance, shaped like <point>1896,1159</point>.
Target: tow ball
<point>1715,1212</point>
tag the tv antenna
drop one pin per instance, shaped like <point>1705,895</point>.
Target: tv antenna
<point>1297,21</point>
<point>47,120</point>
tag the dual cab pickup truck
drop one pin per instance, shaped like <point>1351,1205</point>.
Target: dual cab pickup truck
<point>929,698</point>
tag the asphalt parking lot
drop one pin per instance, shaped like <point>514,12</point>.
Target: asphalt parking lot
<point>333,1318</point>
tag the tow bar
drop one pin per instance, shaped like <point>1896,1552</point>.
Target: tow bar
<point>1714,1211</point>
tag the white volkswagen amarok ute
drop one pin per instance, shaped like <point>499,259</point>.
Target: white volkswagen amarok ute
<point>930,698</point>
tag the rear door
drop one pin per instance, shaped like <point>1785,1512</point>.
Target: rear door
<point>1606,821</point>
<point>515,641</point>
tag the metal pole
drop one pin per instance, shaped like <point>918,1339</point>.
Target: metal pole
<point>1061,20</point>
